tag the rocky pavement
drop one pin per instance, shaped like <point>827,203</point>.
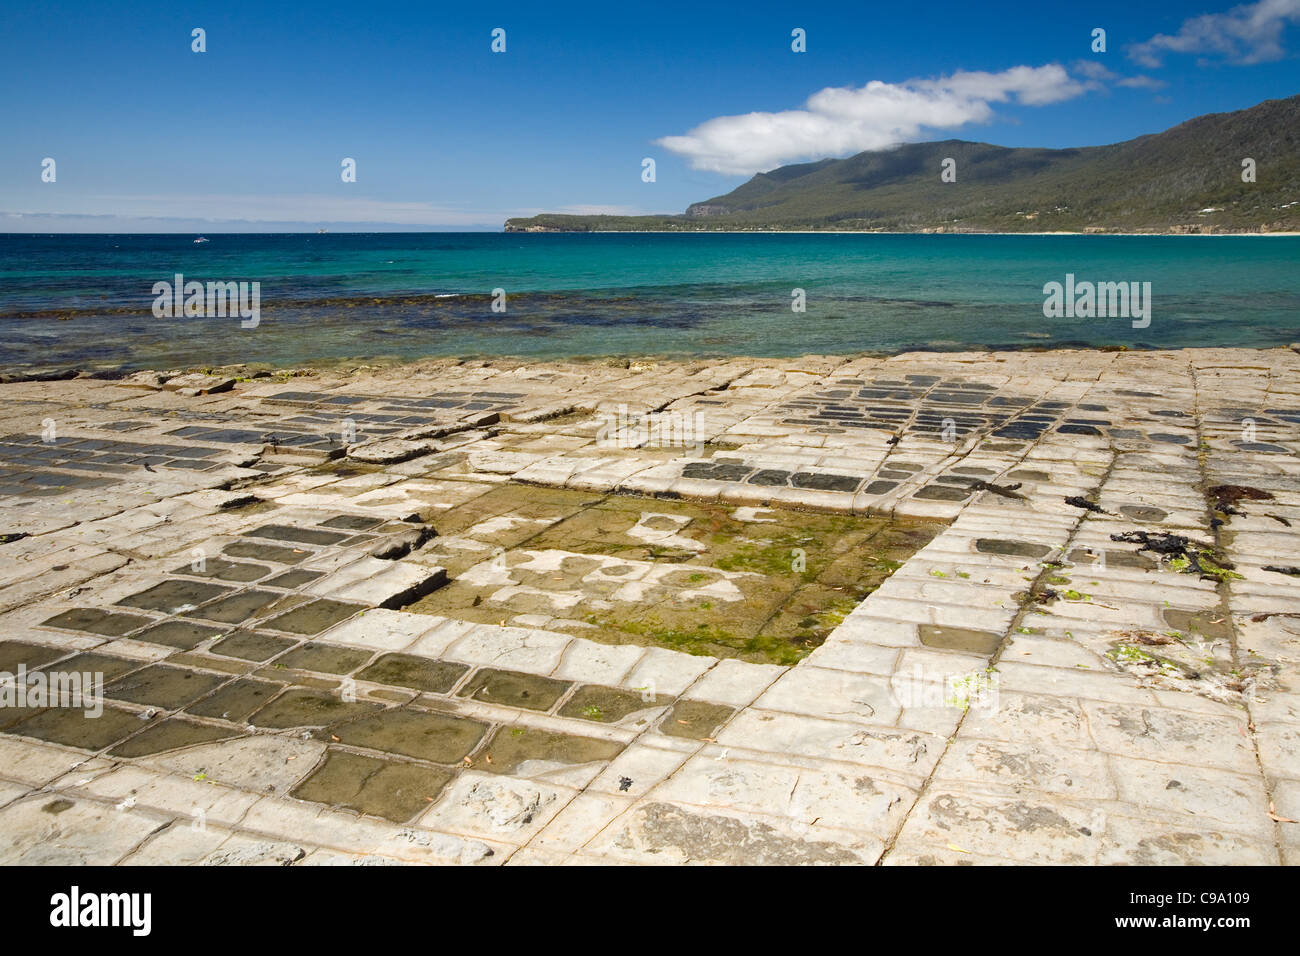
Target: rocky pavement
<point>931,609</point>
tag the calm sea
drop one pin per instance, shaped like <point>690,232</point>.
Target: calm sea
<point>85,301</point>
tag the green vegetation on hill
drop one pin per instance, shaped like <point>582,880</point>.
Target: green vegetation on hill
<point>1186,179</point>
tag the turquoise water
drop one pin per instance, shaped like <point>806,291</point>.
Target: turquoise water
<point>85,301</point>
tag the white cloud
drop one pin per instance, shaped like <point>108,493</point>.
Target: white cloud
<point>838,121</point>
<point>1100,75</point>
<point>218,208</point>
<point>595,210</point>
<point>1250,33</point>
<point>219,211</point>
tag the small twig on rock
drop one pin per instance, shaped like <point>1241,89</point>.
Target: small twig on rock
<point>1005,491</point>
<point>1081,502</point>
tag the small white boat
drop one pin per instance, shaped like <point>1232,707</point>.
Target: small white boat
<point>200,239</point>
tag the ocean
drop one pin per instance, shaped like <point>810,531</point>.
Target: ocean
<point>85,301</point>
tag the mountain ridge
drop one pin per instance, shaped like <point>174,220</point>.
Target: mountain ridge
<point>1186,179</point>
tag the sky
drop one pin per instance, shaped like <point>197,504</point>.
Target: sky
<point>148,135</point>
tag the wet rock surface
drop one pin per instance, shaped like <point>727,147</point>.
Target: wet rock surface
<point>1019,607</point>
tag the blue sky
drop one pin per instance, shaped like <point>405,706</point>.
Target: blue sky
<point>150,136</point>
